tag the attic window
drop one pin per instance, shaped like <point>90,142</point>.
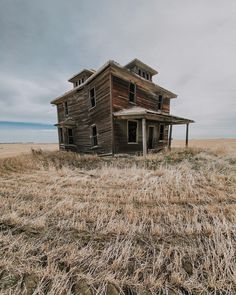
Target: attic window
<point>160,102</point>
<point>94,135</point>
<point>161,133</point>
<point>132,92</point>
<point>132,132</point>
<point>66,108</point>
<point>92,97</point>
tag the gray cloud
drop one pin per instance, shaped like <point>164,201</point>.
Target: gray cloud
<point>191,43</point>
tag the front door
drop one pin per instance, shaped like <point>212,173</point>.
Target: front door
<point>150,137</point>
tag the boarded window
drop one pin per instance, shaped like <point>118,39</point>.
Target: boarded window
<point>61,137</point>
<point>66,108</point>
<point>132,132</point>
<point>70,136</point>
<point>94,135</point>
<point>161,133</point>
<point>160,102</point>
<point>132,90</point>
<point>92,97</point>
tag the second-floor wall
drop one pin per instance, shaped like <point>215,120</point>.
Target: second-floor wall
<point>129,91</point>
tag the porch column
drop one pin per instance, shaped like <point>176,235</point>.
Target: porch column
<point>170,137</point>
<point>144,135</point>
<point>186,141</point>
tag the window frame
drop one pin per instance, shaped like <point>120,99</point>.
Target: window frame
<point>163,134</point>
<point>70,136</point>
<point>134,93</point>
<point>90,99</point>
<point>94,136</point>
<point>61,135</point>
<point>66,108</point>
<point>137,129</point>
<point>160,104</point>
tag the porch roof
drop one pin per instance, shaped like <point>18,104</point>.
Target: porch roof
<point>141,113</point>
<point>66,123</point>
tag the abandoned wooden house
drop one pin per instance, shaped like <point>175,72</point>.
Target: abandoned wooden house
<point>116,109</point>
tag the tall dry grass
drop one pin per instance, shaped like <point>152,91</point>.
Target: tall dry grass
<point>73,224</point>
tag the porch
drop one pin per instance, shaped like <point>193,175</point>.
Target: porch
<point>148,119</point>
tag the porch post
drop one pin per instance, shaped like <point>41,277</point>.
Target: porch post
<point>170,137</point>
<point>187,128</point>
<point>144,137</point>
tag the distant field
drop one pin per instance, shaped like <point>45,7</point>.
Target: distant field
<point>207,143</point>
<point>11,150</point>
<point>15,149</point>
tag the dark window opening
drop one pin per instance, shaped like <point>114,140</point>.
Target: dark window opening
<point>139,72</point>
<point>92,97</point>
<point>147,76</point>
<point>82,80</point>
<point>70,136</point>
<point>160,102</point>
<point>61,139</point>
<point>161,134</point>
<point>132,90</point>
<point>79,81</point>
<point>76,84</point>
<point>144,74</point>
<point>132,132</point>
<point>66,108</point>
<point>94,136</point>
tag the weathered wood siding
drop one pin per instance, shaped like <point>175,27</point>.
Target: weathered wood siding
<point>80,111</point>
<point>145,99</point>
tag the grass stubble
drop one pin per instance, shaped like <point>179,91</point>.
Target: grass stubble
<point>72,224</point>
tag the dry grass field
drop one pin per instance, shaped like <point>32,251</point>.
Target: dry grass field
<point>73,224</point>
<point>15,149</point>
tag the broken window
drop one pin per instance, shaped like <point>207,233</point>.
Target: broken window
<point>132,132</point>
<point>94,135</point>
<point>92,97</point>
<point>70,136</point>
<point>132,90</point>
<point>161,133</point>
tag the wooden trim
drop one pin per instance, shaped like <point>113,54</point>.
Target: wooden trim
<point>144,137</point>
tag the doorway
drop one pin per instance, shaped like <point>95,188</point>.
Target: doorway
<point>150,144</point>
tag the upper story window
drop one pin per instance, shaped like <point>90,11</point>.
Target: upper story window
<point>160,102</point>
<point>132,92</point>
<point>94,135</point>
<point>66,110</point>
<point>147,76</point>
<point>92,96</point>
<point>70,136</point>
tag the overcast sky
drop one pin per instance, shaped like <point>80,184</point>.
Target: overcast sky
<point>191,43</point>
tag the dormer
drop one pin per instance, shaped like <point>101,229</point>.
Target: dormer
<point>138,67</point>
<point>81,77</point>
